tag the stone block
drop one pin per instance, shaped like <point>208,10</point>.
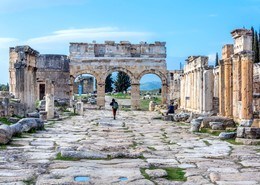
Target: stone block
<point>195,125</point>
<point>227,135</point>
<point>157,173</point>
<point>216,125</point>
<point>168,118</point>
<point>240,132</point>
<point>227,122</point>
<point>252,133</point>
<point>79,108</point>
<point>246,123</point>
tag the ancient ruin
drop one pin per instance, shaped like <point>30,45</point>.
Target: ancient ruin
<point>197,85</point>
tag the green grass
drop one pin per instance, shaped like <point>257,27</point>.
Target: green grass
<point>233,142</point>
<point>134,145</point>
<point>207,143</point>
<point>209,131</point>
<point>151,148</point>
<point>60,157</point>
<point>73,114</point>
<point>3,147</point>
<point>144,104</point>
<point>5,121</point>
<point>30,181</point>
<point>173,174</point>
<point>121,96</point>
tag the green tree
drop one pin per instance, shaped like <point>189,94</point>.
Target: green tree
<point>216,60</point>
<point>109,83</point>
<point>123,82</point>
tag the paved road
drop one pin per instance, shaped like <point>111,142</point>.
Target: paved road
<point>32,158</point>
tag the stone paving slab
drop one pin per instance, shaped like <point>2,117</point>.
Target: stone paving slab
<point>204,158</point>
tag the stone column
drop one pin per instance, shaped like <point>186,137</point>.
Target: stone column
<point>201,91</point>
<point>49,98</point>
<point>135,96</point>
<point>71,85</point>
<point>228,88</point>
<point>164,93</point>
<point>236,86</point>
<point>208,84</point>
<point>247,86</point>
<point>101,94</point>
<point>221,88</point>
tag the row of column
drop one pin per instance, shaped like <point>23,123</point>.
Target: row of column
<point>197,91</point>
<point>236,87</point>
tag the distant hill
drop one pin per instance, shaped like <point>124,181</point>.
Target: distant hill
<point>148,86</point>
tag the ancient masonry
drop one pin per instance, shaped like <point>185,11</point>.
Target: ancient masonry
<point>175,84</point>
<point>236,78</point>
<point>31,72</point>
<point>197,85</point>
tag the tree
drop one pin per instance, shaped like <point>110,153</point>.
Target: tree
<point>216,60</point>
<point>109,83</point>
<point>122,82</point>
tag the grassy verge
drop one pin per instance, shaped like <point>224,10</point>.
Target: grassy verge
<point>121,96</point>
<point>209,131</point>
<point>5,121</point>
<point>233,142</point>
<point>144,104</point>
<point>60,157</point>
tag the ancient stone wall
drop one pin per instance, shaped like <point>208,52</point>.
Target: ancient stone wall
<point>23,74</point>
<point>256,89</point>
<point>135,60</point>
<point>56,69</point>
<point>197,84</point>
<point>87,83</point>
<point>175,84</point>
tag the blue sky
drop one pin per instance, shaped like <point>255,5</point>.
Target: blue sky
<point>190,27</point>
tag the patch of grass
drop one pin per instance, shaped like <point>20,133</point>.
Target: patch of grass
<point>128,131</point>
<point>146,176</point>
<point>144,104</point>
<point>173,174</point>
<point>233,142</point>
<point>257,150</point>
<point>209,131</point>
<point>134,145</point>
<point>141,134</point>
<point>3,147</point>
<point>125,109</point>
<point>5,121</point>
<point>151,148</point>
<point>60,157</point>
<point>121,96</point>
<point>30,181</point>
<point>207,143</point>
<point>73,114</point>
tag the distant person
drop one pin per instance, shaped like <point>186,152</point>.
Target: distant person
<point>114,105</point>
<point>170,109</point>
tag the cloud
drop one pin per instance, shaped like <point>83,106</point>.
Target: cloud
<point>213,15</point>
<point>89,34</point>
<point>7,41</point>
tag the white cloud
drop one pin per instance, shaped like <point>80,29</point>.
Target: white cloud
<point>213,15</point>
<point>89,34</point>
<point>5,42</point>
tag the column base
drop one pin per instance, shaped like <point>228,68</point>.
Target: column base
<point>246,123</point>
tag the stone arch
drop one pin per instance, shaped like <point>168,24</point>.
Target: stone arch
<point>86,71</point>
<point>155,72</point>
<point>163,78</point>
<point>121,69</point>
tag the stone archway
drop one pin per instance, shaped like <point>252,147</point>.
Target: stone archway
<point>164,81</point>
<point>135,60</point>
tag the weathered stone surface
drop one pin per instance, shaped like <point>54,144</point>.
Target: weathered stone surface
<point>246,123</point>
<point>226,121</point>
<point>181,117</point>
<point>195,125</point>
<point>168,118</point>
<point>157,173</point>
<point>252,133</point>
<point>240,132</point>
<point>227,135</point>
<point>216,125</point>
<point>214,177</point>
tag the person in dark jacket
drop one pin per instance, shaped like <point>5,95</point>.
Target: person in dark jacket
<point>114,106</point>
<point>170,109</point>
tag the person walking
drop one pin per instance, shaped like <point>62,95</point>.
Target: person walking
<point>114,105</point>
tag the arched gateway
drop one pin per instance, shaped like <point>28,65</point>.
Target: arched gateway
<point>135,60</point>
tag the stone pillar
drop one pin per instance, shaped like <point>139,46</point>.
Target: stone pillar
<point>135,96</point>
<point>201,90</point>
<point>49,97</point>
<point>79,108</point>
<point>228,88</point>
<point>164,93</point>
<point>236,86</point>
<point>208,86</point>
<point>101,94</point>
<point>247,86</point>
<point>71,85</point>
<point>221,88</point>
